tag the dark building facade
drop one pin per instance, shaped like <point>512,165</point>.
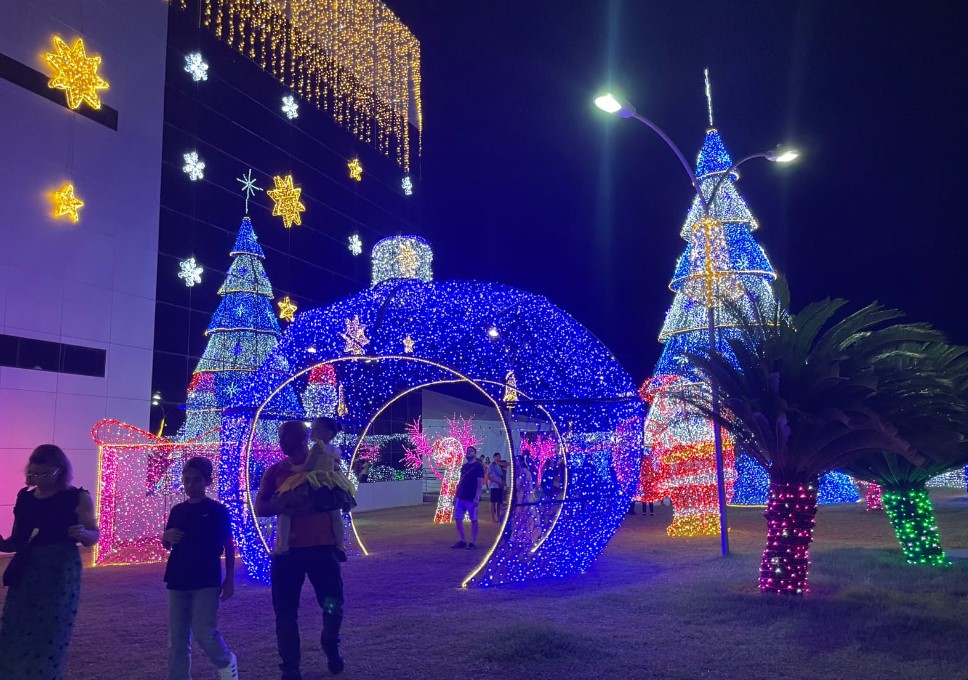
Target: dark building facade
<point>234,121</point>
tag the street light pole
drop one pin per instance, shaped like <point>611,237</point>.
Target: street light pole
<point>612,104</point>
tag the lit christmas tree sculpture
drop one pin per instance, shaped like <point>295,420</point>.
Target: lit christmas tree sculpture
<point>722,262</point>
<point>244,329</point>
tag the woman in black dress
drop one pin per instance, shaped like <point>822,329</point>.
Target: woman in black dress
<point>44,577</point>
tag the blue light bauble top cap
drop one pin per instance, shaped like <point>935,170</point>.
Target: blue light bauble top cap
<point>246,241</point>
<point>713,157</point>
<point>401,257</point>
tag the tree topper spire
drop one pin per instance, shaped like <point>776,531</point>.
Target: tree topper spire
<point>248,187</point>
<point>709,96</point>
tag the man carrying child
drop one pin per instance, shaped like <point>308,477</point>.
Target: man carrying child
<point>311,547</point>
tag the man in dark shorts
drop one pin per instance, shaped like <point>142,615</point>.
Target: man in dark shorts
<point>496,481</point>
<point>468,497</point>
<point>312,553</point>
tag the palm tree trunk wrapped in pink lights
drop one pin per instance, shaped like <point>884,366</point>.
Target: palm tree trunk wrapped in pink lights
<point>791,509</point>
<point>872,492</point>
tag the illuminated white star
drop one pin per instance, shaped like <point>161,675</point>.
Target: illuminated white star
<point>355,244</point>
<point>407,185</point>
<point>290,107</point>
<point>190,272</point>
<point>248,187</point>
<point>194,166</point>
<point>197,66</point>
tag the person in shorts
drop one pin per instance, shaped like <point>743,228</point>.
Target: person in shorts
<point>468,497</point>
<point>496,482</point>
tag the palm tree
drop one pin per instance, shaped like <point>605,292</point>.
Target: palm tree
<point>935,422</point>
<point>796,393</point>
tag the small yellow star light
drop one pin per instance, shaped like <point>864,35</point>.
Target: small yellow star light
<point>287,309</point>
<point>286,199</point>
<point>408,261</point>
<point>66,203</point>
<point>408,344</point>
<point>355,336</point>
<point>75,73</point>
<point>356,169</point>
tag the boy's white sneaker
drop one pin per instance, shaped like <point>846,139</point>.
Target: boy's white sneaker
<point>230,672</point>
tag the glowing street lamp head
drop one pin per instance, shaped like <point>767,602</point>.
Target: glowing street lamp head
<point>610,103</point>
<point>783,154</point>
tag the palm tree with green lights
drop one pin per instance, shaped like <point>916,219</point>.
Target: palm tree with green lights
<point>934,420</point>
<point>807,393</point>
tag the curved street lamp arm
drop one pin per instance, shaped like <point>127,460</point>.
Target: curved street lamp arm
<point>719,182</point>
<point>682,159</point>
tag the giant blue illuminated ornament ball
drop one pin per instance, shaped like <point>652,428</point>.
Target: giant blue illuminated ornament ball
<point>525,356</point>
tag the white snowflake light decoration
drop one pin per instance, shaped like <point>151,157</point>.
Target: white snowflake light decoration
<point>407,185</point>
<point>355,245</point>
<point>197,66</point>
<point>290,107</point>
<point>194,166</point>
<point>190,272</point>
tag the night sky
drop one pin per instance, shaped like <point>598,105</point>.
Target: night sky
<point>526,183</point>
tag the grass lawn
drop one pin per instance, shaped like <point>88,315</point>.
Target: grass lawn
<point>651,607</point>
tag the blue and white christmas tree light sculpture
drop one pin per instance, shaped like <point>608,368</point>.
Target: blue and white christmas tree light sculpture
<point>722,262</point>
<point>724,266</point>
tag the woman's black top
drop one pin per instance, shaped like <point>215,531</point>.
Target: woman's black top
<point>44,521</point>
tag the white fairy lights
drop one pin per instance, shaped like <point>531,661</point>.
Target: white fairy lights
<point>290,107</point>
<point>190,272</point>
<point>402,257</point>
<point>196,65</point>
<point>194,166</point>
<point>355,245</point>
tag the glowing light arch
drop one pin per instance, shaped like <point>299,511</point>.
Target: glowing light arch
<point>564,376</point>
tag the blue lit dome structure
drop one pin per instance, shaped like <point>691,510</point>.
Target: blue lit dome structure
<point>523,354</point>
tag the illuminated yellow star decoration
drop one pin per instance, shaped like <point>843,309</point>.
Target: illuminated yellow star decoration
<point>75,73</point>
<point>407,260</point>
<point>356,169</point>
<point>286,199</point>
<point>408,345</point>
<point>66,203</point>
<point>287,309</point>
<point>355,336</point>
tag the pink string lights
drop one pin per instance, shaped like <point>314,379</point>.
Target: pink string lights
<point>444,455</point>
<point>873,493</point>
<point>137,488</point>
<point>791,511</point>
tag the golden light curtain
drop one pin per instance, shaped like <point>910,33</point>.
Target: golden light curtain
<point>354,58</point>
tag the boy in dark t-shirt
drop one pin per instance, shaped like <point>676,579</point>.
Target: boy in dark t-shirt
<point>197,532</point>
<point>468,497</point>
